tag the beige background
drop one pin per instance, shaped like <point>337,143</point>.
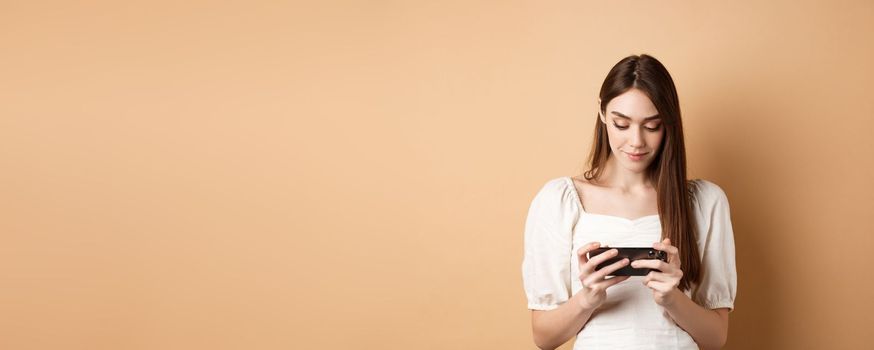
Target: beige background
<point>256,175</point>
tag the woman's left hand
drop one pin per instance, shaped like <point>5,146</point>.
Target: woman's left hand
<point>663,284</point>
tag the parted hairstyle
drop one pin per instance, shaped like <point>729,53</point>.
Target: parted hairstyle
<point>668,170</point>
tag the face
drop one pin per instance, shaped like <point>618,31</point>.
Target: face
<point>634,130</point>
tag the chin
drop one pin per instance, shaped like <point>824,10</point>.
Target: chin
<point>637,167</point>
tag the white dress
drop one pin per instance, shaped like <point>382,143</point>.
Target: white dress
<point>557,226</point>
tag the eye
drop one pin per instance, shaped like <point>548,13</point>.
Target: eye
<point>656,128</point>
<point>620,127</point>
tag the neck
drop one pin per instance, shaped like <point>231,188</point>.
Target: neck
<point>623,179</point>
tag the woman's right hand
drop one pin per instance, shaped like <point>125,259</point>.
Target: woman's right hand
<point>595,283</point>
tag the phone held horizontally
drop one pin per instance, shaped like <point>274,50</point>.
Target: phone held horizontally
<point>632,253</point>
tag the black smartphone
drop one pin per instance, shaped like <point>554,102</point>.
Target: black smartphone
<point>632,253</point>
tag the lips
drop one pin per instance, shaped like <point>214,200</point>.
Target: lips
<point>635,157</point>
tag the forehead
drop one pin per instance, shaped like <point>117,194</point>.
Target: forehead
<point>633,103</point>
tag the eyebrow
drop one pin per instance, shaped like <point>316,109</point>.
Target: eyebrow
<point>620,115</point>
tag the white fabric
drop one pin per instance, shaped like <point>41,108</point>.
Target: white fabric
<point>557,226</point>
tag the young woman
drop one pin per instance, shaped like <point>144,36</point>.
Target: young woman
<point>634,194</point>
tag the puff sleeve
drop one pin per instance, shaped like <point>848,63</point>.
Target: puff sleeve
<point>718,286</point>
<point>548,255</point>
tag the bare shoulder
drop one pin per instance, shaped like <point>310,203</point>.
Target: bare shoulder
<point>580,183</point>
<point>586,189</point>
<point>579,180</point>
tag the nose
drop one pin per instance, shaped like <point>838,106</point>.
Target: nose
<point>636,140</point>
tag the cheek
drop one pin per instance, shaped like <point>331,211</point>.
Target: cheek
<point>655,139</point>
<point>614,138</point>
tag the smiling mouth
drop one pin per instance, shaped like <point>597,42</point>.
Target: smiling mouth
<point>636,154</point>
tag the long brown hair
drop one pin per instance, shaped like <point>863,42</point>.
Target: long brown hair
<point>668,169</point>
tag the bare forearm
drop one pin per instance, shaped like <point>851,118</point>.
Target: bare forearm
<point>709,328</point>
<point>555,327</point>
